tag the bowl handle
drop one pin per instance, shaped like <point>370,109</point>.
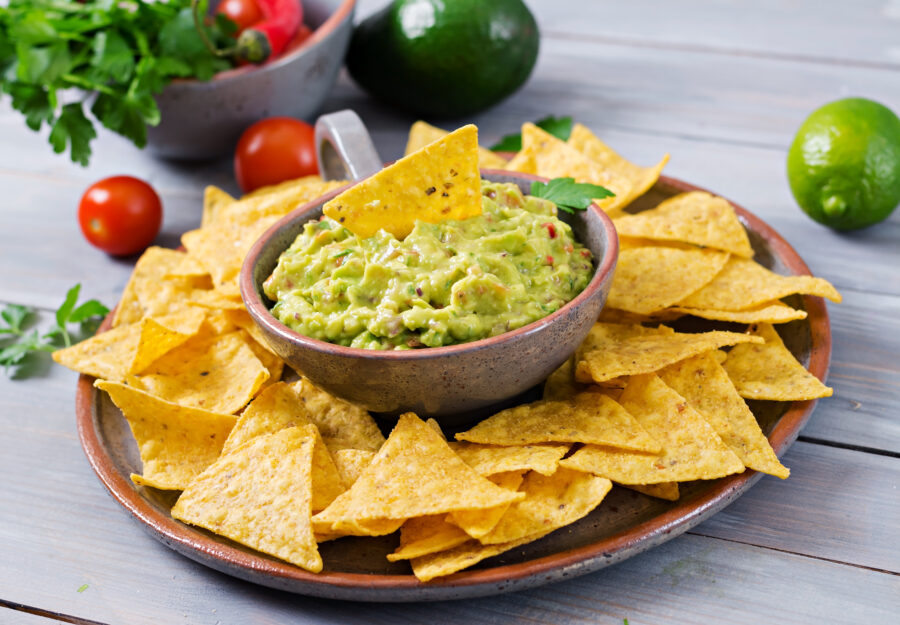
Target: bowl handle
<point>344,147</point>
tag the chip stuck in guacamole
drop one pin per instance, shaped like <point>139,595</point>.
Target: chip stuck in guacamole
<point>444,283</point>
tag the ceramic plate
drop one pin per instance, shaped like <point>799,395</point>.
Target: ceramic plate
<point>625,524</point>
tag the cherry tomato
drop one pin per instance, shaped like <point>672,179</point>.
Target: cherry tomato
<point>120,215</point>
<point>244,13</point>
<point>274,150</point>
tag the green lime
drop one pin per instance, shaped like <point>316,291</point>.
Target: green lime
<point>844,164</point>
<point>444,58</point>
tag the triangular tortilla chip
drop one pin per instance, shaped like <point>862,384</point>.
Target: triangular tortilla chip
<point>493,459</point>
<point>327,484</point>
<point>767,312</point>
<point>275,408</point>
<point>640,178</point>
<point>437,183</point>
<point>176,443</point>
<point>703,382</point>
<point>415,473</point>
<point>160,335</point>
<point>478,523</point>
<point>351,463</point>
<point>422,134</point>
<point>691,448</point>
<point>465,555</point>
<point>744,284</point>
<point>425,535</point>
<point>648,279</point>
<point>586,418</point>
<point>214,199</point>
<point>644,354</point>
<point>260,497</point>
<point>152,267</point>
<point>218,373</point>
<point>551,501</point>
<point>770,371</point>
<point>545,155</point>
<point>696,217</point>
<point>663,490</point>
<point>343,425</point>
<point>561,383</point>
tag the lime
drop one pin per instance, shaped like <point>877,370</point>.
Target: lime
<point>844,164</point>
<point>444,58</point>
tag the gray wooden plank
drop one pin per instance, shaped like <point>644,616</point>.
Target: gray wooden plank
<point>60,529</point>
<point>829,508</point>
<point>866,29</point>
<point>9,616</point>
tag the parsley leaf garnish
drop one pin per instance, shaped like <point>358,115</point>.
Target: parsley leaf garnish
<point>119,53</point>
<point>559,127</point>
<point>569,195</point>
<point>16,342</point>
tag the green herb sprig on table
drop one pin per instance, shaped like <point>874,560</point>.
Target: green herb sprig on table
<point>569,195</point>
<point>559,127</point>
<point>117,53</point>
<point>16,342</point>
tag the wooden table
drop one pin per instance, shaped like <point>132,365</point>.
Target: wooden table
<point>721,86</point>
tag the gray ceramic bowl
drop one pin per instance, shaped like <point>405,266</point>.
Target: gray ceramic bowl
<point>456,383</point>
<point>201,120</point>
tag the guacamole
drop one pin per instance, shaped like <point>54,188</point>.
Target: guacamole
<point>445,283</point>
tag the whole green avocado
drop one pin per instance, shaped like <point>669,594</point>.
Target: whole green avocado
<point>444,58</point>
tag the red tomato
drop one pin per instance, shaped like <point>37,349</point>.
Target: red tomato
<point>244,13</point>
<point>274,150</point>
<point>120,215</point>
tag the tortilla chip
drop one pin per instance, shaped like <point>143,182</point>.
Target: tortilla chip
<point>702,381</point>
<point>691,448</point>
<point>586,418</point>
<point>696,217</point>
<point>767,312</point>
<point>492,459</point>
<point>561,383</point>
<point>176,443</point>
<point>293,185</point>
<point>770,371</point>
<point>612,358</point>
<point>218,373</point>
<point>415,473</point>
<point>648,279</point>
<point>160,335</point>
<point>214,200</point>
<point>259,496</point>
<point>551,502</point>
<point>424,535</point>
<point>465,555</point>
<point>663,490</point>
<point>351,463</point>
<point>545,155</point>
<point>744,284</point>
<point>478,523</point>
<point>273,364</point>
<point>275,408</point>
<point>422,134</point>
<point>151,269</point>
<point>437,183</point>
<point>107,355</point>
<point>343,425</point>
<point>639,178</point>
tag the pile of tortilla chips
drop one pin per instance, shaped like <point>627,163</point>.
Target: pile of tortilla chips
<point>282,466</point>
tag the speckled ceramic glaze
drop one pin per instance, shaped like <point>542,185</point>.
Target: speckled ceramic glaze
<point>202,120</point>
<point>454,383</point>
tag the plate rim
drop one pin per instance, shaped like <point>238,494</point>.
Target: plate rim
<point>260,569</point>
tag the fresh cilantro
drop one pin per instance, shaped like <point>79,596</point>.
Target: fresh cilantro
<point>340,254</point>
<point>120,53</point>
<point>559,127</point>
<point>569,195</point>
<point>16,342</point>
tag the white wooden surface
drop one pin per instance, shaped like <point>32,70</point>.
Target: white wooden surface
<point>721,85</point>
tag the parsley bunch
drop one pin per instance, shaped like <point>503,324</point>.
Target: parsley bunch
<point>118,53</point>
<point>16,342</point>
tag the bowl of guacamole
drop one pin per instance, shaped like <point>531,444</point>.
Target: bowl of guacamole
<point>458,316</point>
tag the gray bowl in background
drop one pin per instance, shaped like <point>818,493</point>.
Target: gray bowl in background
<point>201,120</point>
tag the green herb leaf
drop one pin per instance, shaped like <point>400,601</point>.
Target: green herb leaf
<point>341,254</point>
<point>14,315</point>
<point>113,57</point>
<point>84,587</point>
<point>559,127</point>
<point>89,309</point>
<point>569,195</point>
<point>74,129</point>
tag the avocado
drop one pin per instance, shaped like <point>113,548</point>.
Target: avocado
<point>444,58</point>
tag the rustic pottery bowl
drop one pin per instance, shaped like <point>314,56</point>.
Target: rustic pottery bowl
<point>455,383</point>
<point>201,120</point>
